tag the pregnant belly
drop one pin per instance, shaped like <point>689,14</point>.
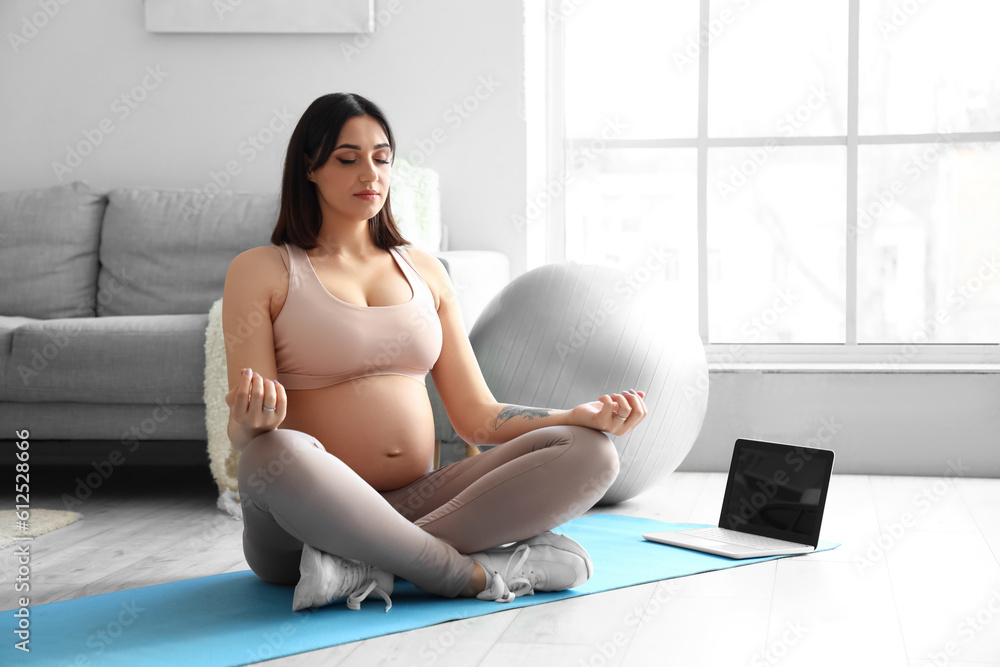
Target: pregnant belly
<point>381,426</point>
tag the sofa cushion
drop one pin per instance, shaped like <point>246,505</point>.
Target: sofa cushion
<point>167,251</point>
<point>7,326</point>
<point>48,250</point>
<point>129,359</point>
<point>132,429</point>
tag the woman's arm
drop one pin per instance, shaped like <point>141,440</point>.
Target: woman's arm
<point>500,422</point>
<point>473,411</point>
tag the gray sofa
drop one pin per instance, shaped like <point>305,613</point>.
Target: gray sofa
<point>103,312</point>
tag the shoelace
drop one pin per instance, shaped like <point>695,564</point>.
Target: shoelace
<point>355,576</point>
<point>513,586</point>
<point>354,601</point>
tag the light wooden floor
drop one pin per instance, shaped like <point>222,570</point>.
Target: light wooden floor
<point>934,589</point>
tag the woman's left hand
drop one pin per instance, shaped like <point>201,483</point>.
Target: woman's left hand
<point>601,414</point>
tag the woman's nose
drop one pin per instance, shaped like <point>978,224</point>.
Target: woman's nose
<point>371,174</point>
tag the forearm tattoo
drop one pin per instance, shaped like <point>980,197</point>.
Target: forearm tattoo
<point>511,411</point>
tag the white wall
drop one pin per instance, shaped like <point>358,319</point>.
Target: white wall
<point>220,89</point>
<point>905,423</point>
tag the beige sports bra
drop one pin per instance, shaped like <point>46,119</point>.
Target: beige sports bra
<point>320,340</point>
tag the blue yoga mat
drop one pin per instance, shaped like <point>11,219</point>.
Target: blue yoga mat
<point>237,619</point>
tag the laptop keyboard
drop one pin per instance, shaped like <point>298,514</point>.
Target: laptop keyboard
<point>743,539</point>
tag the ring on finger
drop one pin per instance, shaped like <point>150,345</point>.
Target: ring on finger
<point>268,409</point>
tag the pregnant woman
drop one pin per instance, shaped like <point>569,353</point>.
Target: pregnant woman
<point>330,333</point>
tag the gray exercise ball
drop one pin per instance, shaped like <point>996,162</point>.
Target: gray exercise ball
<point>567,333</point>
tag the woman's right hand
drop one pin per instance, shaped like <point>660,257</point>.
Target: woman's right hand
<point>248,398</point>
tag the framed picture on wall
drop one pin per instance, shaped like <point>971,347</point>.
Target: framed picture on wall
<point>271,16</point>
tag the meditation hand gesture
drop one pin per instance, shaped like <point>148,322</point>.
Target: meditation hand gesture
<point>617,414</point>
<point>251,401</point>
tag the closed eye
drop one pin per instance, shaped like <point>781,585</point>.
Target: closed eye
<point>353,161</point>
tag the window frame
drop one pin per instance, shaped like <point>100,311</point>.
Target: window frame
<point>547,241</point>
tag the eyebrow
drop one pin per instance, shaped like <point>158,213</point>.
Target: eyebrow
<point>357,148</point>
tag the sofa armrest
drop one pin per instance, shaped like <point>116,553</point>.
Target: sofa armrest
<point>478,275</point>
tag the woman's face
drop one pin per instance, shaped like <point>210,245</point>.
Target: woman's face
<point>354,181</point>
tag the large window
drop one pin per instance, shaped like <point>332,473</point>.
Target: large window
<point>803,180</point>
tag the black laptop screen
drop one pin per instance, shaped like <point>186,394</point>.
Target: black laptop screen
<point>777,491</point>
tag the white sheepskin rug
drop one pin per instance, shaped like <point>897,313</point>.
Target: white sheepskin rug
<point>39,522</point>
<point>223,459</point>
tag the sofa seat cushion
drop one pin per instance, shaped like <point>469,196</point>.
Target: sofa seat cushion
<point>166,252</point>
<point>123,426</point>
<point>48,250</point>
<point>7,326</point>
<point>127,359</point>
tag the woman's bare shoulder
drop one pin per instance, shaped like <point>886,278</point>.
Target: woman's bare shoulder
<point>266,269</point>
<point>431,270</point>
<point>267,260</point>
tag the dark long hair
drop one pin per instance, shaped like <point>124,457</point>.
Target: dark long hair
<point>310,146</point>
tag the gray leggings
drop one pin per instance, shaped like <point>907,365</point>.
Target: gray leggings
<point>293,491</point>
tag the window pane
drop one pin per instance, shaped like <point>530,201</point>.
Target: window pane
<point>776,244</point>
<point>626,59</point>
<point>777,68</point>
<point>929,243</point>
<point>634,209</point>
<point>929,67</point>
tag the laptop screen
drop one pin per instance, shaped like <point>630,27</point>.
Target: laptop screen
<point>777,490</point>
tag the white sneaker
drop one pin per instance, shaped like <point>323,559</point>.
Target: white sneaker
<point>325,577</point>
<point>546,562</point>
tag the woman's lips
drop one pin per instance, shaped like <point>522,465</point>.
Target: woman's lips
<point>367,196</point>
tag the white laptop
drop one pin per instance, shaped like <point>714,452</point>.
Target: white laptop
<point>773,503</point>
